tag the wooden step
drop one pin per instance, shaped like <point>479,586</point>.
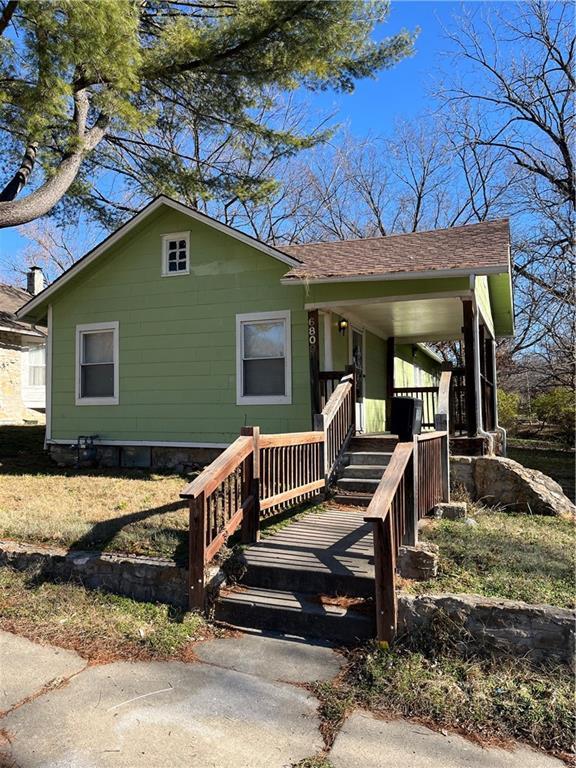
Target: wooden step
<point>350,499</point>
<point>380,458</point>
<point>329,552</point>
<point>359,471</point>
<point>354,484</point>
<point>321,573</point>
<point>295,613</point>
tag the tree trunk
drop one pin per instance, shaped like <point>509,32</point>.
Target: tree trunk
<point>42,200</point>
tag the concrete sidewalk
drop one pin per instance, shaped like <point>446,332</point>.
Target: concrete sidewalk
<point>242,705</point>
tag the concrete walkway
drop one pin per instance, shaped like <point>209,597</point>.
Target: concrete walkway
<point>242,705</point>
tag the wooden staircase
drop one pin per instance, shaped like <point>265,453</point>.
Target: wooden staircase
<point>362,468</point>
<point>330,574</point>
<point>313,578</point>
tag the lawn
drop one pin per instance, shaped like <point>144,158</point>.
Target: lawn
<point>559,464</point>
<point>132,511</point>
<point>492,699</point>
<point>101,627</point>
<point>514,556</point>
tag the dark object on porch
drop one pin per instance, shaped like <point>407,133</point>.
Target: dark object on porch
<point>406,417</point>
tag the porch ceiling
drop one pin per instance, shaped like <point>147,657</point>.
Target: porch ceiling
<point>438,319</point>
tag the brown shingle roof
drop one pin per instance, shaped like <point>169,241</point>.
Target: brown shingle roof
<point>11,299</point>
<point>471,247</point>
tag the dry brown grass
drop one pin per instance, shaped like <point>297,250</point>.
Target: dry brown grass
<point>100,627</point>
<point>130,511</point>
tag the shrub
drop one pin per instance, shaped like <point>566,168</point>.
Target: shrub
<point>557,408</point>
<point>508,408</point>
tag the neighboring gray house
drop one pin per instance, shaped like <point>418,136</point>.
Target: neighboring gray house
<point>22,357</point>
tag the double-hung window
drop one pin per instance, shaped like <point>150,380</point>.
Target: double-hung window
<point>36,365</point>
<point>176,254</point>
<point>263,350</point>
<point>97,364</point>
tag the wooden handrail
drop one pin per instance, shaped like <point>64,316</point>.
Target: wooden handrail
<point>382,500</point>
<point>291,438</point>
<point>432,435</point>
<point>393,515</point>
<point>219,469</point>
<point>337,398</point>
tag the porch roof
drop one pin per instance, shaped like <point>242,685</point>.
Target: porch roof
<point>482,248</point>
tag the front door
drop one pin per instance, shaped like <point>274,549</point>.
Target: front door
<point>357,360</point>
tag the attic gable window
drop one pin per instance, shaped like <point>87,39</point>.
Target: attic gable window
<point>176,254</point>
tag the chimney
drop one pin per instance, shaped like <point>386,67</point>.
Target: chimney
<point>35,280</point>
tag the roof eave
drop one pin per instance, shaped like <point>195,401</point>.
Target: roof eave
<point>497,269</point>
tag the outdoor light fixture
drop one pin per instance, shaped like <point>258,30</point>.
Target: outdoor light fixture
<point>342,326</point>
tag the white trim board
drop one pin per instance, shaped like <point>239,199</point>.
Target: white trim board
<point>388,276</point>
<point>134,222</point>
<point>48,431</point>
<point>334,304</point>
<point>143,443</point>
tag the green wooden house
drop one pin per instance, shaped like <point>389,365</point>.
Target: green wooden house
<point>176,331</point>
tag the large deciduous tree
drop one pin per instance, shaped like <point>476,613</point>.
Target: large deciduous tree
<point>85,79</point>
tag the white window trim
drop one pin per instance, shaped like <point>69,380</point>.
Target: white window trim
<point>175,236</point>
<point>80,329</point>
<point>242,399</point>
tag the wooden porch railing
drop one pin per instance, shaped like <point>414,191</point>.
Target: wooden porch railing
<point>291,469</point>
<point>259,476</point>
<point>416,479</point>
<point>433,480</point>
<point>392,513</point>
<point>337,422</point>
<point>410,487</point>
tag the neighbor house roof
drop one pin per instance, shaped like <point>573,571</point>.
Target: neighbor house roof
<point>480,249</point>
<point>11,299</point>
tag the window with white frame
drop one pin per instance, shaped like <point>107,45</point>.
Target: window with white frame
<point>97,364</point>
<point>176,254</point>
<point>263,371</point>
<point>36,359</point>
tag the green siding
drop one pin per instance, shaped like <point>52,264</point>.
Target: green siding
<point>483,298</point>
<point>408,357</point>
<point>177,338</point>
<point>328,292</point>
<point>375,383</point>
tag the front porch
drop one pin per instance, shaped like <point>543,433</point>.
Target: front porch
<point>383,342</point>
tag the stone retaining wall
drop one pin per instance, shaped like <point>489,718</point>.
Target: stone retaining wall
<point>142,578</point>
<point>538,631</point>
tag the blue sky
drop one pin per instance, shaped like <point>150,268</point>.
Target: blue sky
<point>374,107</point>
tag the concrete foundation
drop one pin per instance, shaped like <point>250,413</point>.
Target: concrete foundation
<point>145,457</point>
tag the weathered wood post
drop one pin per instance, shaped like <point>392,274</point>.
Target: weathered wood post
<point>196,547</point>
<point>314,357</point>
<point>320,426</point>
<point>470,367</point>
<point>442,424</point>
<point>385,579</point>
<point>250,532</point>
<point>411,498</point>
